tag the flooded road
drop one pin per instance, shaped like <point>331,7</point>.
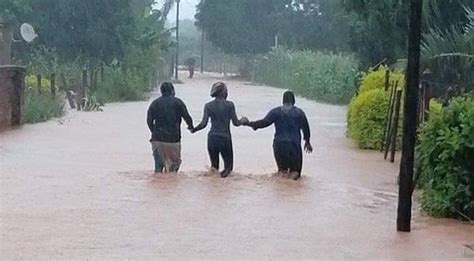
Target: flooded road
<point>82,187</point>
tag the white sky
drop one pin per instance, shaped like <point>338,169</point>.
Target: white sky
<point>187,9</point>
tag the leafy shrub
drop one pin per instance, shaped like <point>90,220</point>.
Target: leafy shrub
<point>376,79</point>
<point>31,82</point>
<point>118,85</point>
<point>321,76</point>
<point>367,112</point>
<point>367,117</point>
<point>445,160</point>
<point>41,107</point>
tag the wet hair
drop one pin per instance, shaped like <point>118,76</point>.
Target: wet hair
<point>219,90</point>
<point>289,98</point>
<point>167,89</point>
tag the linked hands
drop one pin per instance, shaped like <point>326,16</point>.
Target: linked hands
<point>192,129</point>
<point>244,121</point>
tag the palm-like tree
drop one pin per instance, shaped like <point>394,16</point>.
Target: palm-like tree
<point>449,55</point>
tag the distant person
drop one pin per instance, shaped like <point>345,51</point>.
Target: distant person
<point>219,142</point>
<point>289,122</point>
<point>190,63</point>
<point>164,121</point>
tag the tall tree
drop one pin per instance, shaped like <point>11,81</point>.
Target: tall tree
<point>378,29</point>
<point>238,27</point>
<point>312,24</point>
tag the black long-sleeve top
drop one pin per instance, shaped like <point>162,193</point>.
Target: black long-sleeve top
<point>289,122</point>
<point>221,112</point>
<point>164,119</point>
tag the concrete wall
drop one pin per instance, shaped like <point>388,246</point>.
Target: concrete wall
<point>12,85</point>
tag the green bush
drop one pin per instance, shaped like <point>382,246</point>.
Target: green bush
<point>118,85</point>
<point>445,160</point>
<point>375,79</point>
<point>367,112</point>
<point>321,76</point>
<point>31,82</point>
<point>41,107</point>
<point>367,118</point>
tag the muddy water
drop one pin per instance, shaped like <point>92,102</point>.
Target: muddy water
<point>82,188</point>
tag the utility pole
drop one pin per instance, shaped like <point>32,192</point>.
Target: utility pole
<point>177,41</point>
<point>202,50</point>
<point>203,38</point>
<point>405,190</point>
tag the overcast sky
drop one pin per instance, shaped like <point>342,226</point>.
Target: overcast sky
<point>187,9</point>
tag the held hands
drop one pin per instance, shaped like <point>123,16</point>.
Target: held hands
<point>245,121</point>
<point>307,147</point>
<point>192,129</point>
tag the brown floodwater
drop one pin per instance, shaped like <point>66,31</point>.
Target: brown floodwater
<point>82,187</point>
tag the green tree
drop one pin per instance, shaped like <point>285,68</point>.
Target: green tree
<point>312,24</point>
<point>378,28</point>
<point>449,55</point>
<point>238,27</point>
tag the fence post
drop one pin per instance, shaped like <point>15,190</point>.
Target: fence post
<point>82,90</point>
<point>38,82</point>
<point>427,77</point>
<point>393,143</point>
<point>52,85</point>
<point>387,79</point>
<point>388,117</point>
<point>426,99</point>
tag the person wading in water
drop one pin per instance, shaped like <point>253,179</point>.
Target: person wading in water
<point>289,122</point>
<point>190,63</point>
<point>164,121</point>
<point>219,141</point>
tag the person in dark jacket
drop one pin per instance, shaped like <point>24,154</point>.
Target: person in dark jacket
<point>219,142</point>
<point>164,121</point>
<point>289,122</point>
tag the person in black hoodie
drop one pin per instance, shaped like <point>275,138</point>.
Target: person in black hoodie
<point>164,121</point>
<point>289,122</point>
<point>219,142</point>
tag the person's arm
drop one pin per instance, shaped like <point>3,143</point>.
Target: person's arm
<point>265,122</point>
<point>149,119</point>
<point>204,121</point>
<point>185,115</point>
<point>306,133</point>
<point>233,117</point>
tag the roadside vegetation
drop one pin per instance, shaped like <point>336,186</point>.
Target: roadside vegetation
<point>92,49</point>
<point>445,164</point>
<point>367,111</point>
<point>42,107</point>
<point>325,77</point>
